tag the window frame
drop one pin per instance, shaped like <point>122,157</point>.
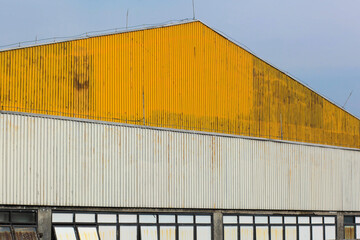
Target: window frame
<point>138,224</point>
<point>354,224</point>
<point>12,225</point>
<point>283,224</point>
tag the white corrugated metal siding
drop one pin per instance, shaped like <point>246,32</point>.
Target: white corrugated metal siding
<point>71,163</point>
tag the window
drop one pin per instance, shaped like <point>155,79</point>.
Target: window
<point>18,225</point>
<point>272,227</point>
<point>352,227</point>
<point>132,226</point>
<point>5,233</point>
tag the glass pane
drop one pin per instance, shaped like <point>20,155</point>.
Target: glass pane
<point>4,217</point>
<point>304,232</point>
<point>25,234</point>
<point>148,233</point>
<point>276,219</point>
<point>357,232</point>
<point>303,220</point>
<point>330,233</point>
<point>167,233</point>
<point>185,219</point>
<point>147,218</point>
<point>23,217</point>
<point>349,232</point>
<point>5,233</point>
<point>230,233</point>
<point>262,233</point>
<point>290,233</point>
<point>127,218</point>
<point>290,220</point>
<point>245,219</point>
<point>106,218</point>
<point>128,233</point>
<point>166,218</point>
<point>246,233</point>
<point>329,220</point>
<point>229,219</point>
<point>317,232</point>
<point>316,220</point>
<point>107,232</point>
<point>186,233</point>
<point>62,217</point>
<point>349,219</point>
<point>85,218</point>
<point>276,233</point>
<point>357,219</point>
<point>65,233</point>
<point>203,233</point>
<point>88,233</point>
<point>203,219</point>
<point>261,219</point>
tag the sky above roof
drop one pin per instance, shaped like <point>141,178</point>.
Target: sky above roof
<point>317,41</point>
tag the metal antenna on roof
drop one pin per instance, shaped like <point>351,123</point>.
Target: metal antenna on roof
<point>127,19</point>
<point>193,3</point>
<point>347,99</point>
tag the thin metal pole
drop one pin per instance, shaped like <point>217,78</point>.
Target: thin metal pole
<point>193,3</point>
<point>347,99</point>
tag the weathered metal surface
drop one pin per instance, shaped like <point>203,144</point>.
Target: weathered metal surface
<point>69,163</point>
<point>185,76</point>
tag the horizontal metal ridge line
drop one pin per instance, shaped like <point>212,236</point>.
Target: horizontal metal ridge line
<point>83,120</point>
<point>90,35</point>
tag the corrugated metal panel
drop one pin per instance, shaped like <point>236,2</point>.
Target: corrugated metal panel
<point>70,163</point>
<point>184,76</point>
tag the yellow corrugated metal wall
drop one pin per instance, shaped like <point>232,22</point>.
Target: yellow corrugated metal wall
<point>184,76</point>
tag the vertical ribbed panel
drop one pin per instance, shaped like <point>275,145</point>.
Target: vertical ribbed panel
<point>47,161</point>
<point>183,76</point>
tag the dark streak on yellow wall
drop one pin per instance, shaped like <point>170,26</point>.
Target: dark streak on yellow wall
<point>183,76</point>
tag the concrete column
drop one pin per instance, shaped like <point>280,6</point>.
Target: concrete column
<point>44,223</point>
<point>218,226</point>
<point>340,234</point>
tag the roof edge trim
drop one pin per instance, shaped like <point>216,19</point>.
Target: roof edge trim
<point>94,34</point>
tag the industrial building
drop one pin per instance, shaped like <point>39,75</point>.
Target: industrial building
<point>170,133</point>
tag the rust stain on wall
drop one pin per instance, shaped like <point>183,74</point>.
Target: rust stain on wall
<point>81,72</point>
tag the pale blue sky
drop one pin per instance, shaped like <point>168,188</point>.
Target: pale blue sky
<point>318,41</point>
